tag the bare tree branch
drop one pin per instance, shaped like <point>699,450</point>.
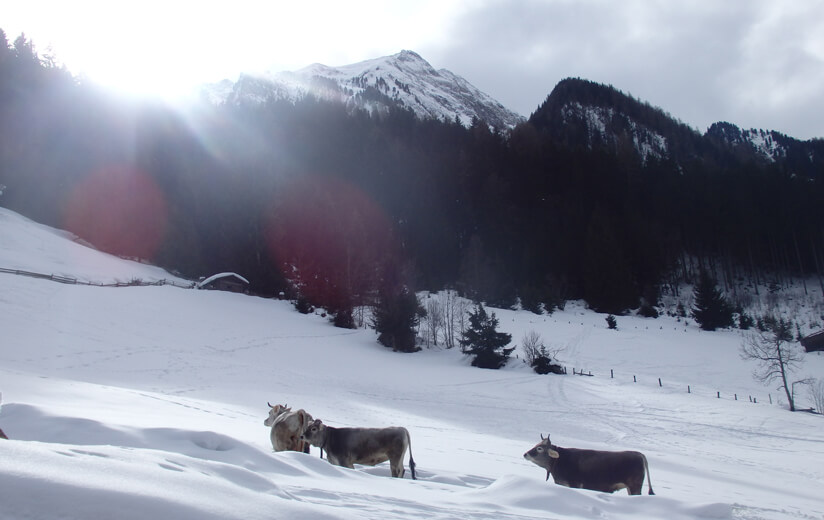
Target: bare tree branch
<point>775,355</point>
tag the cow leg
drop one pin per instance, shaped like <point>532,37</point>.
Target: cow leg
<point>397,468</point>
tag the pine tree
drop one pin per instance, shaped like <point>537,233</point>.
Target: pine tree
<point>395,316</point>
<point>483,341</point>
<point>711,309</point>
<point>542,364</point>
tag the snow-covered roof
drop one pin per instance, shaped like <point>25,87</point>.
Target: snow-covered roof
<point>214,277</point>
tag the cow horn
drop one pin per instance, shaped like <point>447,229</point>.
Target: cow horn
<point>270,405</point>
<point>542,436</point>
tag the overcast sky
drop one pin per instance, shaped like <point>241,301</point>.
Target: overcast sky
<point>755,63</point>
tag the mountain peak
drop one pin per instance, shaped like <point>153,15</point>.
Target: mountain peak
<point>407,55</point>
<point>404,80</point>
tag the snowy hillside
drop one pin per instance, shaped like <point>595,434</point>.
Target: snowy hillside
<point>607,127</point>
<point>404,79</point>
<point>148,402</point>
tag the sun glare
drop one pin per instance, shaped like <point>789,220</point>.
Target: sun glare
<point>168,49</point>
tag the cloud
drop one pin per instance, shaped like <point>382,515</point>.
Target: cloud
<point>753,63</point>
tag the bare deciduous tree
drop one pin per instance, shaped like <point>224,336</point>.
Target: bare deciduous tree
<point>433,322</point>
<point>455,310</point>
<point>817,394</point>
<point>533,346</point>
<point>776,356</point>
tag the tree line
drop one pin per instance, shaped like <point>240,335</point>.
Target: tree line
<point>336,207</point>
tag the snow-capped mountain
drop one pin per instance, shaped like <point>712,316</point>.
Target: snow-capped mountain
<point>404,79</point>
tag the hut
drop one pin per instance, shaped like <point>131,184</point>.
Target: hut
<point>231,282</point>
<point>814,342</point>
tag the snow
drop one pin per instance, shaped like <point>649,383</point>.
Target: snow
<point>139,402</point>
<point>214,277</point>
<point>646,141</point>
<point>764,143</point>
<point>406,78</point>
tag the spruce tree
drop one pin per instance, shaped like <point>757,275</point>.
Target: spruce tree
<point>711,309</point>
<point>483,341</point>
<point>395,316</point>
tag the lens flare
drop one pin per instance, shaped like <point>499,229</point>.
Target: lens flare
<point>120,210</point>
<point>328,238</point>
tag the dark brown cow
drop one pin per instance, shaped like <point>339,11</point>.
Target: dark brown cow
<point>605,471</point>
<point>369,446</point>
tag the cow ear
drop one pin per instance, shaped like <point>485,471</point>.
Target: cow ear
<point>553,454</point>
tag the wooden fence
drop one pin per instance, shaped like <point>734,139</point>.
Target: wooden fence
<point>688,389</point>
<point>75,281</point>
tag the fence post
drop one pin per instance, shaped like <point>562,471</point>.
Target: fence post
<point>659,382</point>
<point>688,389</point>
<point>634,380</point>
<point>611,374</point>
<point>719,395</point>
<point>736,397</point>
<point>770,398</point>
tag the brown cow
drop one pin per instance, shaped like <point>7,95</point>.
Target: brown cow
<point>368,446</point>
<point>605,471</point>
<point>287,427</point>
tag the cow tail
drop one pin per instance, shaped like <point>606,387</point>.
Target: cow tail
<point>411,460</point>
<point>649,478</point>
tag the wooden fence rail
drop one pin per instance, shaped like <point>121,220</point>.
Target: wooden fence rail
<point>661,384</point>
<point>75,281</point>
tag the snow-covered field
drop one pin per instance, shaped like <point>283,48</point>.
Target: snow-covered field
<point>148,402</point>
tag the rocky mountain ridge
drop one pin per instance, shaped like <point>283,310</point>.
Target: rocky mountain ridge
<point>581,113</point>
<point>402,80</point>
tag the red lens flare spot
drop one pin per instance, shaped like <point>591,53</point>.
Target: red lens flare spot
<point>119,210</point>
<point>327,236</point>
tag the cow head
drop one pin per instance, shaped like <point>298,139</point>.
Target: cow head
<point>315,433</point>
<point>274,411</point>
<point>543,454</point>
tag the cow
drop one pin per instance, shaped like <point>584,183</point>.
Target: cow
<point>287,428</point>
<point>368,446</point>
<point>605,471</point>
